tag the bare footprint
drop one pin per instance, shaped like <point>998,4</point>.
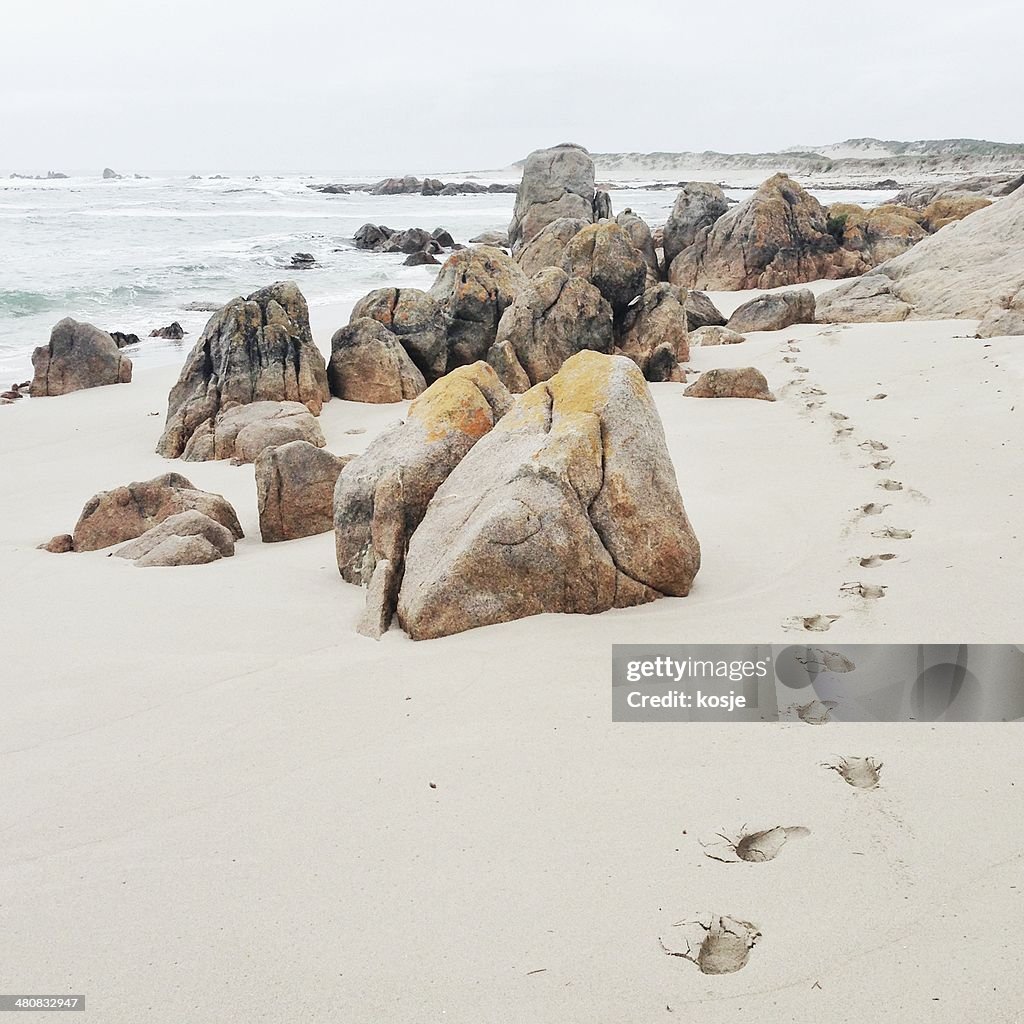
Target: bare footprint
<point>843,432</point>
<point>859,772</point>
<point>789,359</point>
<point>752,847</point>
<point>815,405</point>
<point>802,369</point>
<point>815,712</point>
<point>813,623</point>
<point>883,463</point>
<point>893,533</point>
<point>813,391</point>
<point>873,446</point>
<point>724,944</point>
<point>826,661</point>
<point>872,508</point>
<point>890,485</point>
<point>838,416</point>
<point>867,590</point>
<point>874,561</point>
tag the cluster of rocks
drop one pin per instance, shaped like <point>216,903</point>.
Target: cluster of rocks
<point>420,245</point>
<point>410,185</point>
<point>14,392</point>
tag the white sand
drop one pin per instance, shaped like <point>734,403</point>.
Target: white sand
<point>216,802</point>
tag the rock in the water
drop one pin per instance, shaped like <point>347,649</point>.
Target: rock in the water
<point>715,336</point>
<point>697,207</point>
<point>295,487</point>
<point>370,236</point>
<point>112,517</point>
<point>702,312</point>
<point>653,333</point>
<point>382,494</point>
<point>416,319</point>
<point>369,364</point>
<point>779,236</point>
<point>604,255</point>
<point>774,311</point>
<point>303,261</point>
<point>639,233</point>
<point>173,332</point>
<point>420,259</point>
<point>109,174</point>
<point>569,505</point>
<point>557,182</point>
<point>243,431</point>
<point>78,356</point>
<point>547,247</point>
<point>733,382</point>
<point>499,239</point>
<point>552,318</point>
<point>252,350</point>
<point>122,339</point>
<point>442,237</point>
<point>474,288</point>
<point>164,544</point>
<point>408,241</point>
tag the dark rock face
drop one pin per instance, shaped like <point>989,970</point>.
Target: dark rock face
<point>774,312</point>
<point>702,312</point>
<point>698,205</point>
<point>653,332</point>
<point>123,340</point>
<point>557,182</point>
<point>173,332</point>
<point>604,255</point>
<point>255,349</point>
<point>420,259</point>
<point>303,261</point>
<point>418,322</point>
<point>442,237</point>
<point>369,236</point>
<point>78,356</point>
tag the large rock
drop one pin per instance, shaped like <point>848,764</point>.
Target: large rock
<point>557,182</point>
<point>78,356</point>
<point>604,255</point>
<point>779,236</point>
<point>652,332</point>
<point>295,489</point>
<point>256,349</point>
<point>1004,321</point>
<point>243,431</point>
<point>187,538</point>
<point>639,233</point>
<point>547,247</point>
<point>112,517</point>
<point>369,364</point>
<point>878,234</point>
<point>964,271</point>
<point>697,207</point>
<point>416,319</point>
<point>569,505</point>
<point>731,382</point>
<point>382,494</point>
<point>702,312</point>
<point>474,288</point>
<point>551,319</point>
<point>774,312</point>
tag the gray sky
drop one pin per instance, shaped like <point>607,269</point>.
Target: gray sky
<point>390,84</point>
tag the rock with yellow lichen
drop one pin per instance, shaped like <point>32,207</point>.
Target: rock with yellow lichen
<point>381,495</point>
<point>570,504</point>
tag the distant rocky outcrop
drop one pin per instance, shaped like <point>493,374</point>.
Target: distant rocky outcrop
<point>697,207</point>
<point>113,517</point>
<point>172,332</point>
<point>369,364</point>
<point>381,495</point>
<point>992,186</point>
<point>411,185</point>
<point>123,340</point>
<point>242,432</point>
<point>774,311</point>
<point>779,236</point>
<point>252,350</point>
<point>186,538</point>
<point>411,241</point>
<point>570,504</point>
<point>109,174</point>
<point>78,356</point>
<point>733,382</point>
<point>295,490</point>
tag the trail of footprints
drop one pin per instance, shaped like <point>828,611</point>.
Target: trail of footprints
<point>722,944</point>
<point>881,460</point>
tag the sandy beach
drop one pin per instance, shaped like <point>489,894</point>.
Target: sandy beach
<point>223,804</point>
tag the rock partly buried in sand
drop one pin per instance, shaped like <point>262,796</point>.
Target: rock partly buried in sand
<point>779,236</point>
<point>547,247</point>
<point>295,489</point>
<point>252,350</point>
<point>416,319</point>
<point>1004,321</point>
<point>187,538</point>
<point>60,544</point>
<point>570,504</point>
<point>557,182</point>
<point>963,271</point>
<point>473,289</point>
<point>702,312</point>
<point>652,332</point>
<point>382,494</point>
<point>774,312</point>
<point>552,318</point>
<point>112,517</point>
<point>369,364</point>
<point>243,431</point>
<point>715,336</point>
<point>78,356</point>
<point>697,207</point>
<point>731,382</point>
<point>604,255</point>
<point>172,332</point>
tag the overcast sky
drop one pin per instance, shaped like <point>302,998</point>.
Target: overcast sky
<point>389,84</point>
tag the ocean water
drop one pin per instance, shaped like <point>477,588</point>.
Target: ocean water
<point>130,255</point>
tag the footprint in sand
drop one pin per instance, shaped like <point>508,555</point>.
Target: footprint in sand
<point>815,712</point>
<point>893,533</point>
<point>813,391</point>
<point>883,463</point>
<point>890,485</point>
<point>838,416</point>
<point>874,561</point>
<point>868,590</point>
<point>873,446</point>
<point>878,397</point>
<point>814,405</point>
<point>722,946</point>
<point>813,623</point>
<point>752,847</point>
<point>826,661</point>
<point>843,432</point>
<point>859,772</point>
<point>802,369</point>
<point>872,508</point>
